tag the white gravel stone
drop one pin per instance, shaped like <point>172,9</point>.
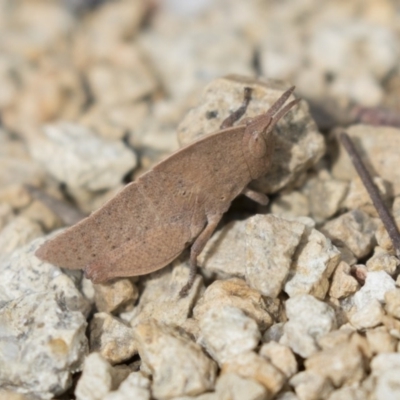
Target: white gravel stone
<point>98,378</point>
<point>17,233</point>
<point>270,244</point>
<point>355,229</point>
<point>136,386</point>
<point>309,385</point>
<point>42,343</point>
<point>227,332</point>
<point>236,293</point>
<point>169,354</point>
<point>160,298</point>
<point>252,366</point>
<point>386,369</point>
<point>315,260</point>
<point>309,319</point>
<point>233,387</point>
<point>22,274</point>
<point>342,365</point>
<point>76,156</point>
<point>369,316</point>
<point>225,252</point>
<point>392,299</point>
<point>376,285</point>
<point>112,338</point>
<point>280,356</point>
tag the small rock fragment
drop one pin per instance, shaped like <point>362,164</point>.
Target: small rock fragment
<point>236,293</point>
<point>160,298</point>
<point>135,386</point>
<point>349,393</point>
<point>379,150</point>
<point>234,387</point>
<point>343,283</point>
<point>23,274</point>
<point>358,197</point>
<point>17,233</point>
<point>369,316</point>
<point>70,153</point>
<point>226,332</point>
<point>309,319</point>
<point>112,338</point>
<point>167,353</point>
<point>41,344</point>
<point>392,300</point>
<point>109,297</point>
<point>341,365</point>
<point>252,366</point>
<point>382,261</point>
<point>309,385</point>
<point>290,205</point>
<point>376,285</point>
<point>380,340</point>
<point>118,84</point>
<point>270,245</point>
<point>225,252</point>
<point>325,195</point>
<point>355,229</point>
<point>280,356</point>
<point>6,214</point>
<point>98,378</point>
<point>386,369</point>
<point>315,260</point>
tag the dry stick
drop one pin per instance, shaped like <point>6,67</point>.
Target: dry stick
<point>373,192</point>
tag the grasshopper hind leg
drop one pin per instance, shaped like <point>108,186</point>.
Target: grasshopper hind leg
<point>197,248</point>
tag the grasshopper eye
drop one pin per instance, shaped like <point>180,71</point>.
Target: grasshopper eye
<point>257,146</point>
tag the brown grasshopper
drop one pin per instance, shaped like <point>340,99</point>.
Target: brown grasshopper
<point>176,204</point>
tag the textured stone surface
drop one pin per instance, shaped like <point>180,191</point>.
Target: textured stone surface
<point>368,316</point>
<point>309,319</point>
<point>42,342</point>
<point>380,340</point>
<point>227,332</point>
<point>342,364</point>
<point>112,338</point>
<point>325,195</point>
<point>270,245</point>
<point>135,386</point>
<point>315,260</point>
<point>236,293</point>
<point>109,297</point>
<point>280,356</point>
<point>292,204</point>
<point>309,385</point>
<point>70,153</point>
<point>376,285</point>
<point>17,233</point>
<point>355,229</point>
<point>343,283</point>
<point>234,387</point>
<point>378,146</point>
<point>300,144</point>
<point>392,300</point>
<point>225,252</point>
<point>193,372</point>
<point>252,366</point>
<point>386,369</point>
<point>383,261</point>
<point>98,378</point>
<point>160,298</point>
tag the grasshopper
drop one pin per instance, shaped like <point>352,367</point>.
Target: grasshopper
<point>178,203</point>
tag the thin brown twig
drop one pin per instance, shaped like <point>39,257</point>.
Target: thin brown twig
<point>373,192</point>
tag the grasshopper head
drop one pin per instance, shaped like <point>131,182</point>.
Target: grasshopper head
<point>259,129</point>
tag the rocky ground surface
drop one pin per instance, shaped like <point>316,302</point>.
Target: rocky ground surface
<point>297,300</point>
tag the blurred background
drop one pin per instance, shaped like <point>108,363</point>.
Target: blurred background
<point>126,71</point>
